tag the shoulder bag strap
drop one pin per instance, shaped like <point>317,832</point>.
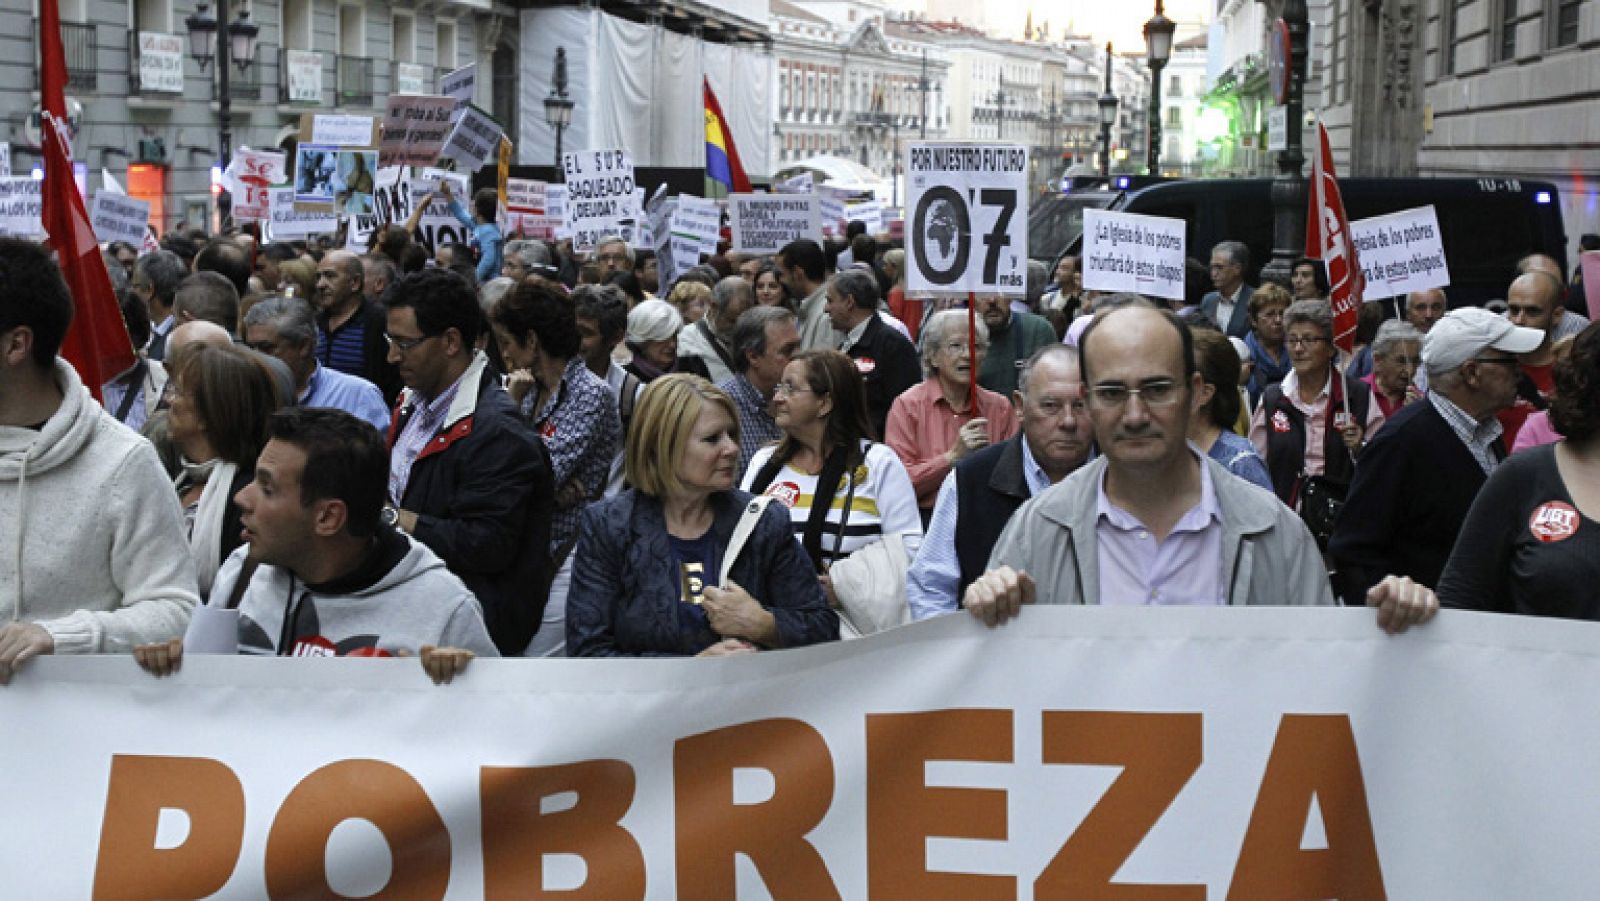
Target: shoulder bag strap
<point>753,512</point>
<point>135,391</point>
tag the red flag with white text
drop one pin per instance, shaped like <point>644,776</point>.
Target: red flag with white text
<point>97,343</point>
<point>1328,239</point>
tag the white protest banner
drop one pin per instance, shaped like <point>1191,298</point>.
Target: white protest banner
<point>474,140</point>
<point>764,223</point>
<point>21,206</point>
<point>305,75</point>
<point>1130,252</point>
<point>460,84</point>
<point>389,196</point>
<point>967,220</point>
<point>118,217</point>
<point>1400,252</point>
<point>699,220</point>
<point>342,131</point>
<point>1104,751</point>
<point>869,214</point>
<point>832,212</point>
<point>432,178</point>
<point>525,195</point>
<point>437,225</point>
<point>667,245</point>
<point>555,207</point>
<point>161,62</point>
<point>285,223</point>
<point>599,198</point>
<point>415,127</point>
<point>252,173</point>
<point>410,78</point>
<point>5,159</point>
<point>800,184</point>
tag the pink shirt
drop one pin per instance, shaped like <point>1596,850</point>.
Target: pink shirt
<point>922,426</point>
<point>1183,569</point>
<point>1536,431</point>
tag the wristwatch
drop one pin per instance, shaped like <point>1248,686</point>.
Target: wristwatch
<point>390,515</point>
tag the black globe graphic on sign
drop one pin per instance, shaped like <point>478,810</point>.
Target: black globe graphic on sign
<point>941,230</point>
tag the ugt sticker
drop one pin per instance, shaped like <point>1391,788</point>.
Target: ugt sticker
<point>1553,521</point>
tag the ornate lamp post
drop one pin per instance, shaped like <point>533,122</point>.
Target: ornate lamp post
<point>1108,115</point>
<point>1289,188</point>
<point>1158,49</point>
<point>204,46</point>
<point>557,106</point>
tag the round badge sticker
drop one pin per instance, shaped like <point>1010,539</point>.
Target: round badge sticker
<point>1553,521</point>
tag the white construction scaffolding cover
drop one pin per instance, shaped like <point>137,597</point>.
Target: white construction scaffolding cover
<point>637,88</point>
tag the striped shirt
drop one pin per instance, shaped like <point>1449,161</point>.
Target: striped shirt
<point>883,502</point>
<point>757,428</point>
<point>345,348</point>
<point>427,417</point>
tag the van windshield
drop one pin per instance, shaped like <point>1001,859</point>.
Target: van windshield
<point>1056,220</point>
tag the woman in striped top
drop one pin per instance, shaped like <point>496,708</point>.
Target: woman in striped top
<point>827,451</point>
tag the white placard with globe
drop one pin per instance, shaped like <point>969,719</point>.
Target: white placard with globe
<point>966,218</point>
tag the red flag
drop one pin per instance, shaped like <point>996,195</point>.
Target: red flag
<point>1328,240</point>
<point>97,343</point>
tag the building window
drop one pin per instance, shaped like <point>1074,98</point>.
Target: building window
<point>445,44</point>
<point>403,30</point>
<point>1174,117</point>
<point>1505,44</point>
<point>1563,18</point>
<point>297,25</point>
<point>1447,37</point>
<point>153,15</point>
<point>352,31</point>
<point>1175,87</point>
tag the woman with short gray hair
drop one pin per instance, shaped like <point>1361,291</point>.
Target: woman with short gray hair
<point>1310,427</point>
<point>1396,353</point>
<point>936,424</point>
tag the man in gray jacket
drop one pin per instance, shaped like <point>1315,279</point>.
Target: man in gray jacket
<point>1154,521</point>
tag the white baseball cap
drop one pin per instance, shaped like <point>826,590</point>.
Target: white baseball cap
<point>1466,332</point>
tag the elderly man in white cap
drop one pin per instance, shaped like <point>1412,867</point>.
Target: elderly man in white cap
<point>1415,482</point>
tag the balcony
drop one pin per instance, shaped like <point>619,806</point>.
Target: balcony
<point>354,79</point>
<point>83,56</point>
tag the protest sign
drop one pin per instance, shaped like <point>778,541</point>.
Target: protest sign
<point>667,245</point>
<point>388,197</point>
<point>285,222</point>
<point>160,62</point>
<point>700,220</point>
<point>473,141</point>
<point>1400,252</point>
<point>1186,752</point>
<point>764,223</point>
<point>555,207</point>
<point>869,214</point>
<point>600,195</point>
<point>527,213</point>
<point>967,221</point>
<point>432,178</point>
<point>831,209</point>
<point>799,184</point>
<point>21,206</point>
<point>336,163</point>
<point>460,84</point>
<point>1133,253</point>
<point>415,127</point>
<point>305,75</point>
<point>250,173</point>
<point>410,78</point>
<point>118,217</point>
<point>437,224</point>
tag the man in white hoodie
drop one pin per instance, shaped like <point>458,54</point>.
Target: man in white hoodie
<point>92,553</point>
<point>323,575</point>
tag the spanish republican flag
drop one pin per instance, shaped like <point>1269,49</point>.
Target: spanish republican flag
<point>722,159</point>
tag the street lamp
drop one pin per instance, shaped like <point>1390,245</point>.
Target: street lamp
<point>1158,49</point>
<point>1289,188</point>
<point>1108,115</point>
<point>1000,115</point>
<point>241,45</point>
<point>557,106</point>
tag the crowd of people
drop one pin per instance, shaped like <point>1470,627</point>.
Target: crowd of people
<point>509,448</point>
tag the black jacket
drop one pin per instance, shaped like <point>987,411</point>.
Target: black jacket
<point>990,486</point>
<point>1286,450</point>
<point>1412,489</point>
<point>890,367</point>
<point>483,493</point>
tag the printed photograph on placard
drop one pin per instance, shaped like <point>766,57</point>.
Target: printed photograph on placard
<point>353,183</point>
<point>315,170</point>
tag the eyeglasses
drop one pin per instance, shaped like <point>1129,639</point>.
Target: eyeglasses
<point>1503,361</point>
<point>957,347</point>
<point>1154,393</point>
<point>406,345</point>
<point>1304,340</point>
<point>786,389</point>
